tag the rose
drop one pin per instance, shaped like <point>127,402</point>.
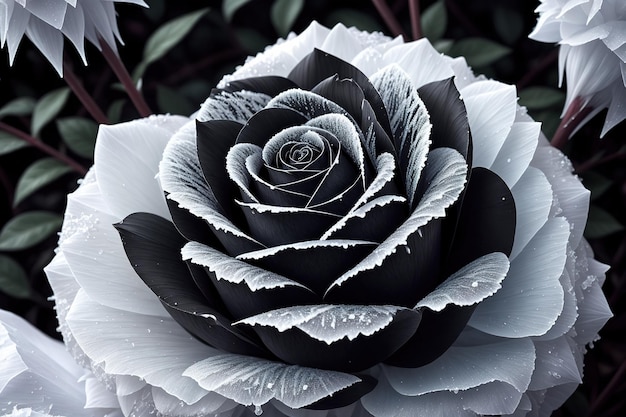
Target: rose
<point>591,53</point>
<point>524,340</point>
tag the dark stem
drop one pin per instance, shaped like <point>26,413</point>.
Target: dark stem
<point>43,147</point>
<point>388,17</point>
<point>592,163</point>
<point>77,87</point>
<point>546,62</point>
<point>122,74</point>
<point>608,390</point>
<point>416,19</point>
<point>575,113</point>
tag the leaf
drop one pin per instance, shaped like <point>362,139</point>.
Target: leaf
<point>539,98</point>
<point>601,223</point>
<point>28,229</point>
<point>37,175</point>
<point>79,134</point>
<point>229,7</point>
<point>115,111</point>
<point>10,143</point>
<point>166,37</point>
<point>443,46</point>
<point>171,101</point>
<point>251,40</point>
<point>508,23</point>
<point>435,21</point>
<point>596,183</point>
<point>21,106</point>
<point>479,52</point>
<point>47,108</point>
<point>356,18</point>
<point>13,279</point>
<point>284,13</point>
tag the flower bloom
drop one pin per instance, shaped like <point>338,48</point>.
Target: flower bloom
<point>45,23</point>
<point>592,38</point>
<point>352,226</point>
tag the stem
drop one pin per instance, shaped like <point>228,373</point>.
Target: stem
<point>122,74</point>
<point>390,20</point>
<point>45,148</point>
<point>90,105</point>
<point>416,19</point>
<point>608,390</point>
<point>573,116</point>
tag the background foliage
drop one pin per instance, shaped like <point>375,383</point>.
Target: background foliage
<point>176,52</point>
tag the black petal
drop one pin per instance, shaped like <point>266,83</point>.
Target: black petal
<point>215,138</point>
<point>344,92</point>
<point>271,85</point>
<point>448,116</point>
<point>266,123</point>
<point>313,264</point>
<point>319,65</point>
<point>486,222</point>
<point>191,226</point>
<point>153,245</point>
<point>346,396</point>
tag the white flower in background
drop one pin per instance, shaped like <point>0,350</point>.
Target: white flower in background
<point>412,301</point>
<point>39,378</point>
<point>45,23</point>
<point>592,38</point>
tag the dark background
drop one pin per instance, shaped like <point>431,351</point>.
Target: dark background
<point>180,81</point>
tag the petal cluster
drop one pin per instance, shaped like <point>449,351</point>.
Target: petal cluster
<point>592,55</point>
<point>46,22</point>
<point>523,315</point>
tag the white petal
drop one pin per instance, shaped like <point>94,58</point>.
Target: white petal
<point>37,372</point>
<point>533,202</point>
<point>51,12</point>
<point>555,365</point>
<point>233,270</point>
<point>169,405</point>
<point>341,43</point>
<point>74,29</point>
<point>593,313</point>
<point>516,152</point>
<point>465,367</point>
<point>254,381</point>
<point>127,158</point>
<point>97,396</point>
<point>491,108</point>
<point>531,297</point>
<point>48,40</point>
<point>493,398</point>
<point>125,343</point>
<point>327,323</point>
<point>100,266</point>
<point>385,401</point>
<point>15,30</point>
<point>433,66</point>
<point>469,285</point>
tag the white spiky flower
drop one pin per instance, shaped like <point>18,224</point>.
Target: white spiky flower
<point>592,38</point>
<point>45,22</point>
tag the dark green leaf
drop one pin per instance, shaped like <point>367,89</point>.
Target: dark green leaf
<point>47,108</point>
<point>479,52</point>
<point>19,107</point>
<point>284,13</point>
<point>601,223</point>
<point>13,279</point>
<point>10,143</point>
<point>168,35</point>
<point>37,175</point>
<point>509,24</point>
<point>28,229</point>
<point>251,40</point>
<point>171,101</point>
<point>351,17</point>
<point>539,98</point>
<point>435,21</point>
<point>115,111</point>
<point>79,134</point>
<point>596,183</point>
<point>443,45</point>
<point>229,7</point>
